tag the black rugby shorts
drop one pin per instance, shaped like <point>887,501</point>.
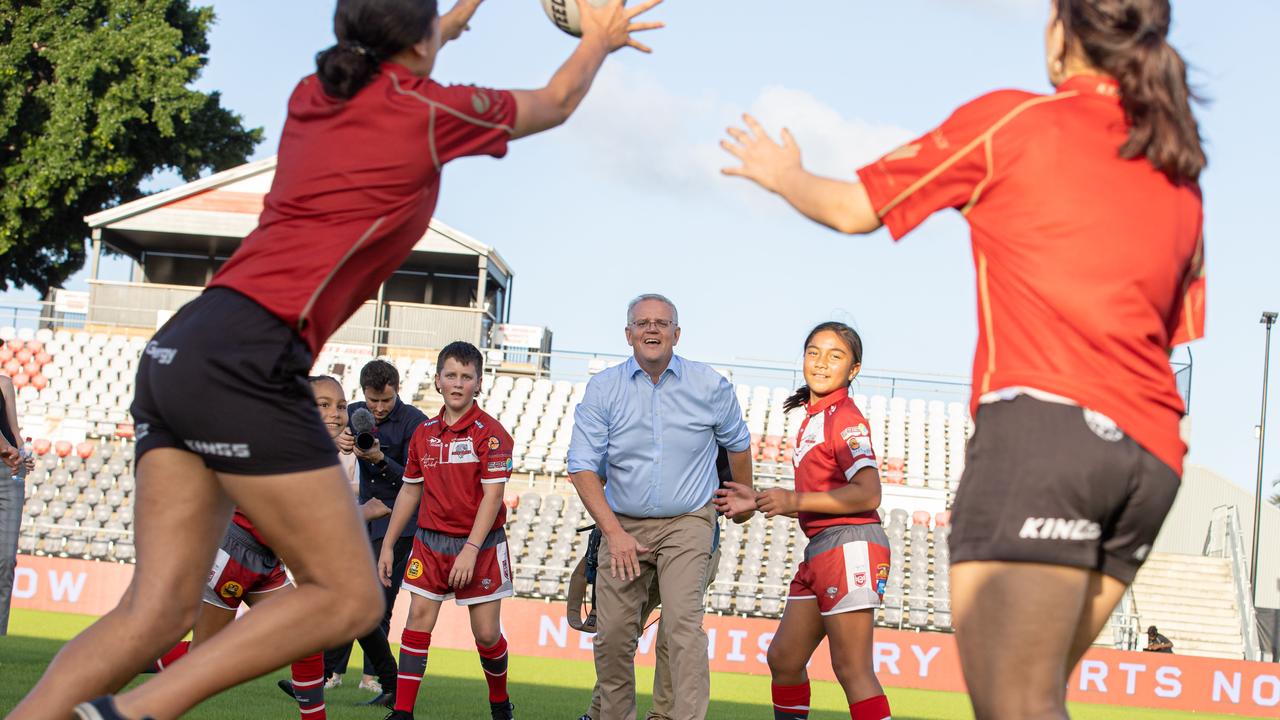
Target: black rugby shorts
<point>1058,484</point>
<point>227,380</point>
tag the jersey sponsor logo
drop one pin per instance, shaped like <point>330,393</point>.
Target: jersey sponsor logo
<point>486,583</point>
<point>231,590</point>
<point>414,571</point>
<point>162,355</point>
<point>462,451</point>
<point>859,579</point>
<point>832,591</point>
<point>141,430</point>
<point>494,443</point>
<point>882,577</point>
<point>220,449</point>
<point>500,466</point>
<point>1034,528</point>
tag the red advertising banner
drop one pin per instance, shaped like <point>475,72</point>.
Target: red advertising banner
<point>927,661</point>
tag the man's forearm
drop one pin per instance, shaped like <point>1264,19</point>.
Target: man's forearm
<point>740,467</point>
<point>591,490</point>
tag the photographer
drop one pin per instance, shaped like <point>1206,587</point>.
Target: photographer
<point>381,467</point>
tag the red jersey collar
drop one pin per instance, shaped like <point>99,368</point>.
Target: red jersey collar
<point>467,418</point>
<point>1091,85</point>
<point>827,401</point>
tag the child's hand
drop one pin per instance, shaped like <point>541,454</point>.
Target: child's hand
<point>463,567</point>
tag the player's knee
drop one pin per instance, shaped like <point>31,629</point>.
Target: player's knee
<point>486,636</point>
<point>164,613</point>
<point>781,662</point>
<point>359,610</point>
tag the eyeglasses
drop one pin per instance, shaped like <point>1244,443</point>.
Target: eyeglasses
<point>656,324</point>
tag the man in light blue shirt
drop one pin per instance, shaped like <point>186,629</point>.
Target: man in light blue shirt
<point>654,424</point>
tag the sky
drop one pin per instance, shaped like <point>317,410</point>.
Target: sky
<point>626,197</point>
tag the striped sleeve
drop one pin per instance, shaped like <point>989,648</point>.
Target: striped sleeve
<point>948,167</point>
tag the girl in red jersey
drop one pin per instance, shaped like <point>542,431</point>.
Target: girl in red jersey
<point>1086,224</point>
<point>223,411</point>
<point>839,585</point>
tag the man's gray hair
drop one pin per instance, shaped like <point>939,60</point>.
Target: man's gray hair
<point>631,306</point>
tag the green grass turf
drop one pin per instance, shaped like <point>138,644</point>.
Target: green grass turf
<point>541,688</point>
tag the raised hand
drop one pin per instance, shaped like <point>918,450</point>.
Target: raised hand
<point>614,24</point>
<point>764,161</point>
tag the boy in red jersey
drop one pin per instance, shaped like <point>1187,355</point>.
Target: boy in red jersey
<point>839,584</point>
<point>458,463</point>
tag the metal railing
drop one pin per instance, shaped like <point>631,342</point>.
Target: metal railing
<point>1223,540</point>
<point>1125,627</point>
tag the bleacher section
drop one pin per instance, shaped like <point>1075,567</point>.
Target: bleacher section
<point>74,388</point>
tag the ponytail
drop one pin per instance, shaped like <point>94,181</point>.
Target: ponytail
<point>369,32</point>
<point>851,339</point>
<point>1127,39</point>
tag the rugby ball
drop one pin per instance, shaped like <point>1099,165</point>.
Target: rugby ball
<point>564,13</point>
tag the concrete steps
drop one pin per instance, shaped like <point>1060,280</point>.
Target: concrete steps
<point>1191,599</point>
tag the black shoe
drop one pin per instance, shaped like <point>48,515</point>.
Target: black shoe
<point>286,687</point>
<point>385,699</point>
<point>399,715</point>
<point>103,708</point>
<point>502,710</point>
<point>585,716</point>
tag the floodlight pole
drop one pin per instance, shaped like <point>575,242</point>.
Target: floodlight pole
<point>1268,319</point>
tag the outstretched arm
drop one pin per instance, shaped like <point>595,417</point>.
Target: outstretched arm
<point>776,167</point>
<point>604,30</point>
<point>454,22</point>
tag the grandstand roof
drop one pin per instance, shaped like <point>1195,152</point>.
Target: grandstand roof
<point>211,215</point>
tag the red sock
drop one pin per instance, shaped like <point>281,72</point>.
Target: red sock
<point>172,656</point>
<point>876,708</point>
<point>413,665</point>
<point>494,661</point>
<point>791,702</point>
<point>308,686</point>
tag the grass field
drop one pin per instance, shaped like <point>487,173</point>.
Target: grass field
<point>541,689</point>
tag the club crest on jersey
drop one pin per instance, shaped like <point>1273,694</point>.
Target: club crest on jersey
<point>494,443</point>
<point>415,569</point>
<point>231,590</point>
<point>832,591</point>
<point>860,579</point>
<point>486,583</point>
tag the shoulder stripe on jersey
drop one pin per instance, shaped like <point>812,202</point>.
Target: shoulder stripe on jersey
<point>441,106</point>
<point>306,310</point>
<point>431,138</point>
<point>985,137</point>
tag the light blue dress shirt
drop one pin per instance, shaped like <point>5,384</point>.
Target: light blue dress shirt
<point>656,444</point>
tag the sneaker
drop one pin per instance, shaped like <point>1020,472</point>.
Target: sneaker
<point>371,685</point>
<point>386,699</point>
<point>586,716</point>
<point>398,715</point>
<point>502,710</point>
<point>103,708</point>
<point>330,682</point>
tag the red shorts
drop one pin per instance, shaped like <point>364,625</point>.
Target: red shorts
<point>242,567</point>
<point>845,568</point>
<point>427,573</point>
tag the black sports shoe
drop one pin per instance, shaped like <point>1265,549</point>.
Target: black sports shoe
<point>399,715</point>
<point>502,710</point>
<point>103,708</point>
<point>286,687</point>
<point>585,716</point>
<point>384,699</point>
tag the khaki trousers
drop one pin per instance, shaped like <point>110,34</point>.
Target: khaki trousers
<point>679,550</point>
<point>663,700</point>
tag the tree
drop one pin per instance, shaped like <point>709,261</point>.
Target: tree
<point>93,100</point>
